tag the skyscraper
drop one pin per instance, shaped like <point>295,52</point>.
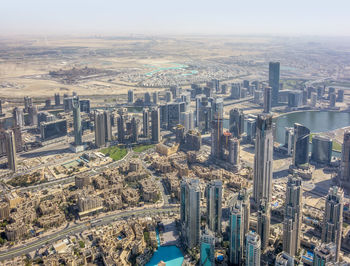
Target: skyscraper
<point>267,99</point>
<point>130,96</point>
<point>121,126</point>
<point>33,115</point>
<point>292,216</point>
<point>252,254</point>
<point>145,123</point>
<point>239,227</point>
<point>155,97</point>
<point>236,122</point>
<point>28,102</point>
<point>155,120</point>
<point>264,217</point>
<point>57,99</point>
<point>190,211</point>
<point>134,130</point>
<point>108,125</point>
<point>235,91</point>
<point>147,98</point>
<point>207,249</point>
<point>214,206</point>
<point>18,117</point>
<point>233,156</point>
<point>333,218</point>
<point>345,161</point>
<point>263,159</point>
<point>11,150</point>
<point>78,131</point>
<point>217,127</point>
<point>321,149</point>
<point>274,80</point>
<point>100,134</point>
<point>301,145</point>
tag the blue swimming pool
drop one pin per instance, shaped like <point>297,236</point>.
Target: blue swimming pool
<point>171,255</point>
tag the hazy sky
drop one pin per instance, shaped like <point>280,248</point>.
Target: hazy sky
<point>306,17</point>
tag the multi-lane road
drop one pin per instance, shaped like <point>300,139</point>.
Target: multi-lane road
<point>80,227</point>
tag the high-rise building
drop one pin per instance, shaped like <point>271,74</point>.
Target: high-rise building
<point>18,117</point>
<point>233,156</point>
<point>274,80</point>
<point>145,123</point>
<point>155,125</point>
<point>313,99</point>
<point>251,129</point>
<point>67,104</point>
<point>284,259</point>
<point>193,140</point>
<point>11,150</point>
<point>78,131</point>
<point>216,85</point>
<point>186,119</point>
<point>130,97</point>
<point>289,140</point>
<point>57,99</point>
<point>295,98</point>
<point>263,159</point>
<point>263,225</point>
<point>134,130</point>
<point>333,218</point>
<point>325,254</point>
<point>344,173</point>
<point>236,122</point>
<point>214,206</point>
<point>253,246</point>
<point>190,211</point>
<point>168,97</point>
<point>33,115</point>
<point>267,99</point>
<point>53,129</point>
<point>217,128</point>
<point>340,96</point>
<point>321,149</point>
<point>207,249</point>
<point>292,216</point>
<point>332,100</point>
<point>155,97</point>
<point>85,106</point>
<point>147,98</point>
<point>100,133</point>
<point>48,103</point>
<point>28,102</point>
<point>301,145</point>
<point>174,110</point>
<point>235,91</point>
<point>121,126</point>
<point>175,91</point>
<point>108,125</point>
<point>239,227</point>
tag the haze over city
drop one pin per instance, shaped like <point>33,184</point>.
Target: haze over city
<point>175,133</point>
<point>312,17</point>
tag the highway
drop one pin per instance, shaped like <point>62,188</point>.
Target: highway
<point>80,227</point>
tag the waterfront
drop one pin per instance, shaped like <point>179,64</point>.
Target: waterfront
<point>316,121</point>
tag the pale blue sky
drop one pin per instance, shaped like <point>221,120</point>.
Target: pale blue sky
<point>287,17</point>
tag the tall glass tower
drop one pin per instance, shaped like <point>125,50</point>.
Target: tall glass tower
<point>78,131</point>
